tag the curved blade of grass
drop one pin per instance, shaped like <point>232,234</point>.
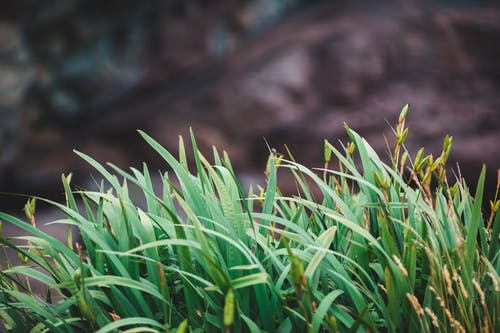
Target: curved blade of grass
<point>323,308</point>
<point>112,280</point>
<point>252,326</point>
<point>31,273</point>
<point>476,218</point>
<point>325,240</point>
<point>115,325</point>
<point>270,192</point>
<point>96,165</point>
<point>245,281</point>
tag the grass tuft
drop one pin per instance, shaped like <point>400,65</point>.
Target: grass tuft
<point>367,247</point>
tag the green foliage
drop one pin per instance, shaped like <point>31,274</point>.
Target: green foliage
<point>357,249</point>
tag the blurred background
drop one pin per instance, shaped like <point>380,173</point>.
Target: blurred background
<point>86,74</point>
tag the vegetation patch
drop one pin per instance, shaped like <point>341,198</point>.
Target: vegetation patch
<point>363,247</point>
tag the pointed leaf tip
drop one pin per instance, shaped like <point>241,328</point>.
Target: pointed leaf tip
<point>404,112</point>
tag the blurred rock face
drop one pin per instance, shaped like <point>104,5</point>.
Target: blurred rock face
<point>15,79</point>
<point>68,62</point>
<point>85,75</point>
<point>88,53</point>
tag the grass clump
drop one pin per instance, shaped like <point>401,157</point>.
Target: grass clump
<point>357,249</point>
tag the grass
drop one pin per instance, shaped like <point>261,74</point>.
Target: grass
<point>364,247</point>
